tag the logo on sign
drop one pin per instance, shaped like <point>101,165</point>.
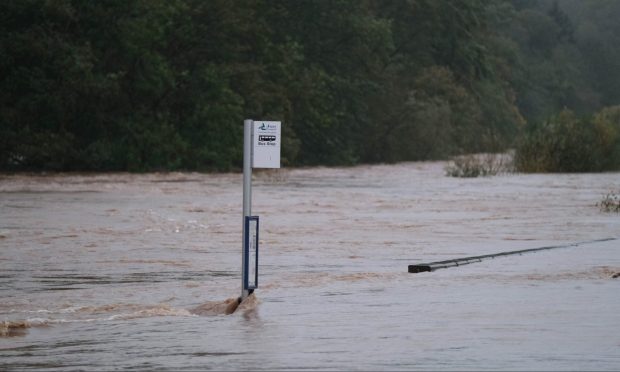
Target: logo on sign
<point>265,126</point>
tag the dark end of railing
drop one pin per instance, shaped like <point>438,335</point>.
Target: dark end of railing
<point>419,268</point>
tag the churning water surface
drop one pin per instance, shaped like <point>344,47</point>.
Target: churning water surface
<point>122,271</point>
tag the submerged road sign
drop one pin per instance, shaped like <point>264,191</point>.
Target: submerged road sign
<point>261,149</point>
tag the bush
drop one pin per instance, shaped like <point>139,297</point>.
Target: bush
<point>607,127</point>
<point>566,143</point>
<point>610,203</point>
<point>475,165</point>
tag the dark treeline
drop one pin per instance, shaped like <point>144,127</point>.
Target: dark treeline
<point>165,84</point>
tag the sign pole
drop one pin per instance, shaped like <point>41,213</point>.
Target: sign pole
<point>247,196</point>
<point>261,149</point>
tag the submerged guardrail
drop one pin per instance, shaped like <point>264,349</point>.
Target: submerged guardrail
<point>432,266</point>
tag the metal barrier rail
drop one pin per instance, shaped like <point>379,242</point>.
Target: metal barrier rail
<point>432,266</point>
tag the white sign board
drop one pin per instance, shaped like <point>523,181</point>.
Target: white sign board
<point>266,144</point>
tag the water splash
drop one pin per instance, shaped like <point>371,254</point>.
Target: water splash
<point>227,307</point>
<point>83,314</point>
<point>14,328</point>
<point>124,311</point>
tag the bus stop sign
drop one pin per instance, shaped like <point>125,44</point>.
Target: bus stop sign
<point>266,139</point>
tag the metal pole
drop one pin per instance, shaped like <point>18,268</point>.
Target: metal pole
<point>247,195</point>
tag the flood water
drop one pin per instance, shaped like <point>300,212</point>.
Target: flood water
<point>101,272</point>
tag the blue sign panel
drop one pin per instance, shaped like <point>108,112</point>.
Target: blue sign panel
<point>250,271</point>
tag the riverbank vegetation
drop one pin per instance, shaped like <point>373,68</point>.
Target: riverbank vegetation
<point>610,202</point>
<point>145,85</point>
<point>480,165</point>
<point>568,143</point>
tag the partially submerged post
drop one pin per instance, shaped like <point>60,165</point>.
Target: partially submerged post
<point>261,149</point>
<point>247,198</point>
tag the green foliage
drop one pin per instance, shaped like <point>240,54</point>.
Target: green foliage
<point>439,119</point>
<point>566,143</point>
<point>607,128</point>
<point>165,84</point>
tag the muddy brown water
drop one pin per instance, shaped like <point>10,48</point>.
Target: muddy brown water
<point>124,271</point>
